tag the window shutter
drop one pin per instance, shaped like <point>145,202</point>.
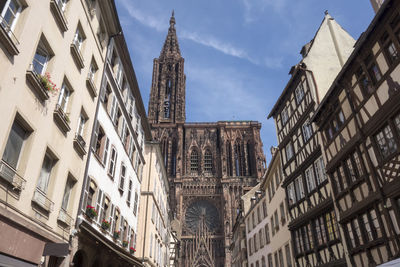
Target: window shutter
<point>106,148</point>
<point>96,134</point>
<point>99,204</point>
<point>111,220</point>
<point>86,193</point>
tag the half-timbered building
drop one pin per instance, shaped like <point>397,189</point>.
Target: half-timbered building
<point>313,225</point>
<point>359,119</point>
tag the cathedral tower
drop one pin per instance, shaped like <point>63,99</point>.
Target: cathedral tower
<point>167,97</point>
<point>209,165</point>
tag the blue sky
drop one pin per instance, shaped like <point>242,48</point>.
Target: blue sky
<point>237,52</point>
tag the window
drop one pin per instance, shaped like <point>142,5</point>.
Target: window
<point>335,124</point>
<point>14,145</point>
<point>135,204</point>
<point>267,239</point>
<point>61,4</point>
<point>397,122</point>
<point>289,151</point>
<point>270,264</point>
<point>320,170</point>
<point>264,204</point>
<point>307,131</point>
<point>78,39</point>
<point>386,142</point>
<point>276,221</point>
<point>122,177</point>
<point>10,12</point>
<point>101,144</point>
<point>331,225</point>
<point>310,179</point>
<point>284,116</point>
<point>276,259</point>
<point>128,199</point>
<point>263,263</point>
<point>299,92</point>
<point>364,82</point>
<point>41,58</point>
<point>298,183</point>
<point>194,161</point>
<point>282,208</point>
<point>208,161</point>
<point>81,125</point>
<point>44,177</point>
<point>373,69</point>
<point>67,193</point>
<point>261,237</point>
<point>280,258</point>
<point>92,71</point>
<point>389,48</point>
<point>113,161</point>
<point>63,98</point>
<point>272,225</point>
<point>288,256</point>
<point>291,194</point>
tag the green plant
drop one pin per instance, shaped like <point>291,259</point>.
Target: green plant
<point>91,212</point>
<point>117,234</point>
<point>125,243</point>
<point>105,225</point>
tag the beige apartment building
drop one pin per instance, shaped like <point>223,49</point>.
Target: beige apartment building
<point>276,231</point>
<point>50,73</point>
<point>154,224</point>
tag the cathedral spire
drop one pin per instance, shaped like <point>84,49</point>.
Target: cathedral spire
<point>171,45</point>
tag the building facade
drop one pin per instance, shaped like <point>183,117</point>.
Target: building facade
<point>238,246</point>
<point>313,224</point>
<point>255,221</point>
<point>109,208</point>
<point>50,75</point>
<point>209,165</point>
<point>359,121</point>
<point>278,252</point>
<point>154,222</point>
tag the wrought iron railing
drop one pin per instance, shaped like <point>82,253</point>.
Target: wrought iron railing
<point>9,174</point>
<point>7,28</point>
<point>64,217</point>
<point>62,113</point>
<point>42,200</point>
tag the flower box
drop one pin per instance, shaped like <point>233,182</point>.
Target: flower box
<point>105,225</point>
<point>125,243</point>
<point>132,250</point>
<point>91,212</point>
<point>117,234</point>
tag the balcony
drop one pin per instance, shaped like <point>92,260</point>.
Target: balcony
<point>10,176</point>
<point>36,81</point>
<point>62,119</point>
<point>79,145</point>
<point>91,86</point>
<point>65,218</point>
<point>7,38</point>
<point>56,7</point>
<point>40,199</point>
<point>76,54</point>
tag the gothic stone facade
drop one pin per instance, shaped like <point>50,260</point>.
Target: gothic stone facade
<point>209,165</point>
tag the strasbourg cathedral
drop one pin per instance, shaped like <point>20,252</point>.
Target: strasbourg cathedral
<point>209,165</point>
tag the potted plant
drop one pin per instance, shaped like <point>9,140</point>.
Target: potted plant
<point>47,83</point>
<point>91,212</point>
<point>117,234</point>
<point>125,243</point>
<point>105,225</point>
<point>132,250</point>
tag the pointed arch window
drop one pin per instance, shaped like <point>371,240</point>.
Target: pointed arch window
<point>173,158</point>
<point>208,161</point>
<point>249,151</point>
<point>194,161</point>
<point>229,158</point>
<point>238,159</point>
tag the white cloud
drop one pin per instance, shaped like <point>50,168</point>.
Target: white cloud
<point>255,8</point>
<point>143,18</point>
